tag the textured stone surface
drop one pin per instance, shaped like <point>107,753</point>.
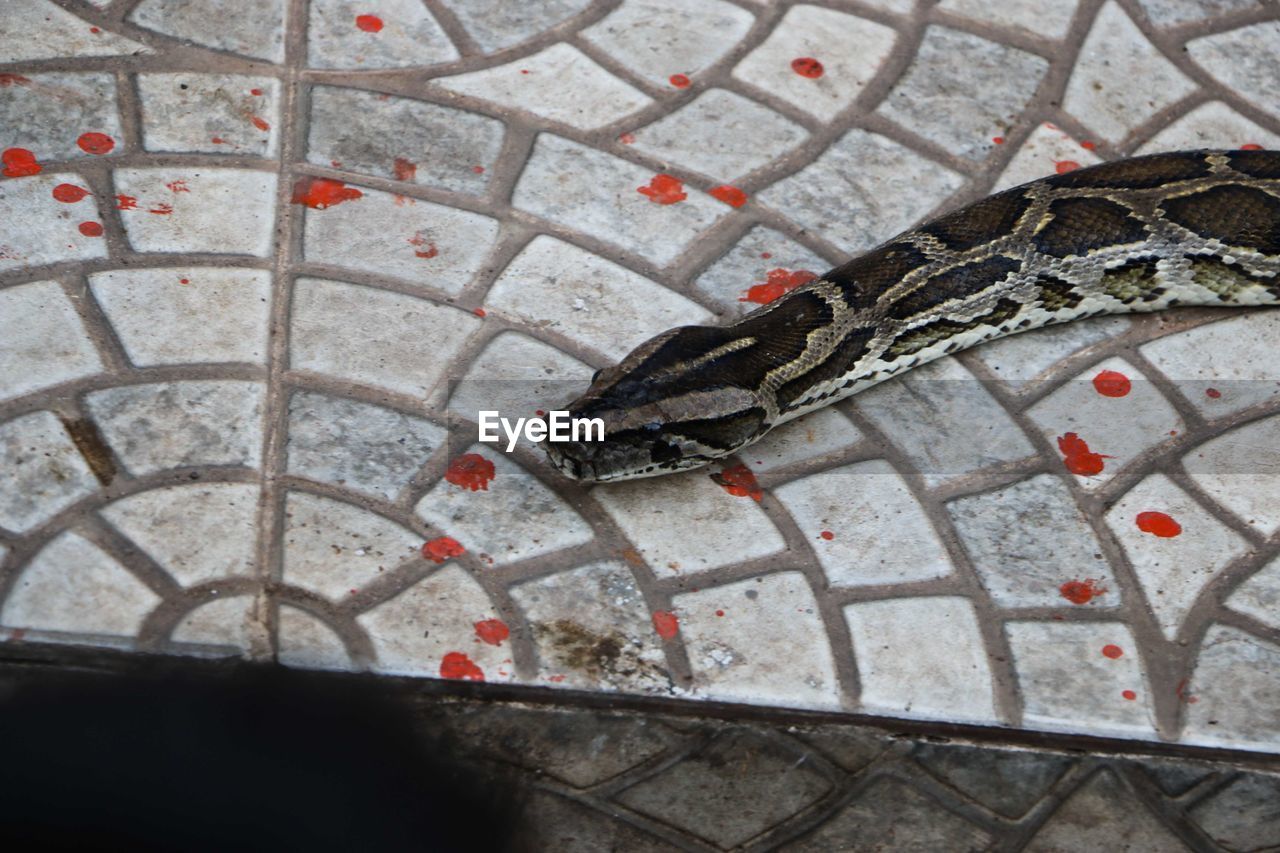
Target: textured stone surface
<point>255,30</point>
<point>42,340</point>
<point>41,472</point>
<point>1049,20</point>
<point>197,209</point>
<point>496,24</point>
<point>1241,59</point>
<point>51,231</point>
<point>1213,125</point>
<point>692,34</point>
<point>216,113</point>
<point>1103,814</point>
<point>1199,358</point>
<point>725,283</point>
<point>402,34</point>
<point>1046,151</point>
<point>1237,691</point>
<point>46,113</point>
<point>38,29</point>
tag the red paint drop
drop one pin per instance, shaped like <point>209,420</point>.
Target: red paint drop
<point>7,79</point>
<point>1064,166</point>
<point>1112,651</point>
<point>161,209</point>
<point>731,196</point>
<point>807,66</point>
<point>260,123</point>
<point>257,93</point>
<point>1158,524</point>
<point>1251,146</point>
<point>18,163</point>
<point>739,481</point>
<point>1081,592</point>
<point>492,631</point>
<point>218,140</point>
<point>479,170</point>
<point>471,471</point>
<point>1112,383</point>
<point>1078,458</point>
<point>178,186</point>
<point>679,81</point>
<point>69,193</point>
<point>404,169</point>
<point>91,229</point>
<point>627,138</point>
<point>96,143</point>
<point>369,23</point>
<point>126,202</point>
<point>719,612</point>
<point>827,535</point>
<point>184,281</point>
<point>418,240</point>
<point>766,255</point>
<point>780,281</point>
<point>1088,145</point>
<point>1129,694</point>
<point>456,665</point>
<point>320,193</point>
<point>664,189</point>
<point>998,140</point>
<point>666,624</point>
<point>442,548</point>
<point>1212,393</point>
<point>479,312</point>
<point>94,30</point>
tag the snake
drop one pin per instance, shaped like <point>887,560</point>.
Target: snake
<point>1134,235</point>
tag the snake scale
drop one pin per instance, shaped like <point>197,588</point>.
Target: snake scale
<point>1135,235</point>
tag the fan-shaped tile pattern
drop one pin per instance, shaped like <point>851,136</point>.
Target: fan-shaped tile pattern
<point>47,113</point>
<point>215,113</point>
<point>41,471</point>
<point>42,340</point>
<point>197,209</point>
<point>247,27</point>
<point>343,34</point>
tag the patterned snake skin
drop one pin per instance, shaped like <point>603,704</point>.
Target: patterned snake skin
<point>1188,228</point>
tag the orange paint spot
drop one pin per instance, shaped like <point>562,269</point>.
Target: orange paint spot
<point>1081,592</point>
<point>719,612</point>
<point>369,23</point>
<point>91,229</point>
<point>666,624</point>
<point>95,30</point>
<point>1129,694</point>
<point>1251,146</point>
<point>1181,692</point>
<point>1158,524</point>
<point>827,535</point>
<point>1112,651</point>
<point>161,209</point>
<point>807,66</point>
<point>218,140</point>
<point>679,81</point>
<point>1212,393</point>
<point>1087,144</point>
<point>664,189</point>
<point>731,196</point>
<point>8,79</point>
<point>69,193</point>
<point>780,281</point>
<point>458,666</point>
<point>418,240</point>
<point>1064,166</point>
<point>479,312</point>
<point>260,123</point>
<point>184,281</point>
<point>320,193</point>
<point>257,93</point>
<point>998,140</point>
<point>178,186</point>
<point>479,170</point>
<point>126,202</point>
<point>627,138</point>
<point>471,471</point>
<point>404,170</point>
<point>1112,383</point>
<point>739,481</point>
<point>18,163</point>
<point>96,143</point>
<point>492,631</point>
<point>1078,458</point>
<point>442,548</point>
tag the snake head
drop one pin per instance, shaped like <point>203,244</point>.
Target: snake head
<point>677,401</point>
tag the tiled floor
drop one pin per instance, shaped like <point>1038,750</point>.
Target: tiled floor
<point>262,262</point>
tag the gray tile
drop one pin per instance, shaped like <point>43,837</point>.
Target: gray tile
<point>41,472</point>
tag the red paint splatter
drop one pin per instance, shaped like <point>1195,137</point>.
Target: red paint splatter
<point>458,666</point>
<point>369,23</point>
<point>418,240</point>
<point>404,170</point>
<point>184,281</point>
<point>95,143</point>
<point>1112,651</point>
<point>664,189</point>
<point>471,471</point>
<point>1087,145</point>
<point>1212,393</point>
<point>492,631</point>
<point>479,312</point>
<point>1158,524</point>
<point>218,140</point>
<point>260,123</point>
<point>161,209</point>
<point>1129,694</point>
<point>780,281</point>
<point>19,163</point>
<point>627,138</point>
<point>807,66</point>
<point>1081,592</point>
<point>91,229</point>
<point>719,612</point>
<point>1251,146</point>
<point>556,679</point>
<point>69,193</point>
<point>178,186</point>
<point>1078,458</point>
<point>766,255</point>
<point>524,70</point>
<point>1181,692</point>
<point>257,93</point>
<point>998,140</point>
<point>666,624</point>
<point>442,548</point>
<point>320,193</point>
<point>827,535</point>
<point>126,202</point>
<point>739,481</point>
<point>479,170</point>
<point>94,30</point>
<point>13,80</point>
<point>1112,383</point>
<point>731,196</point>
<point>1064,166</point>
<point>679,81</point>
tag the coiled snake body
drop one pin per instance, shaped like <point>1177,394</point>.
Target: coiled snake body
<point>1144,234</point>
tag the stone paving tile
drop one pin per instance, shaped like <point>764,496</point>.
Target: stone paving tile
<point>1102,815</point>
<point>403,139</point>
<point>1242,816</point>
<point>180,315</point>
<point>812,32</point>
<point>560,83</point>
<point>1006,782</point>
<point>435,236</point>
<point>215,113</point>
